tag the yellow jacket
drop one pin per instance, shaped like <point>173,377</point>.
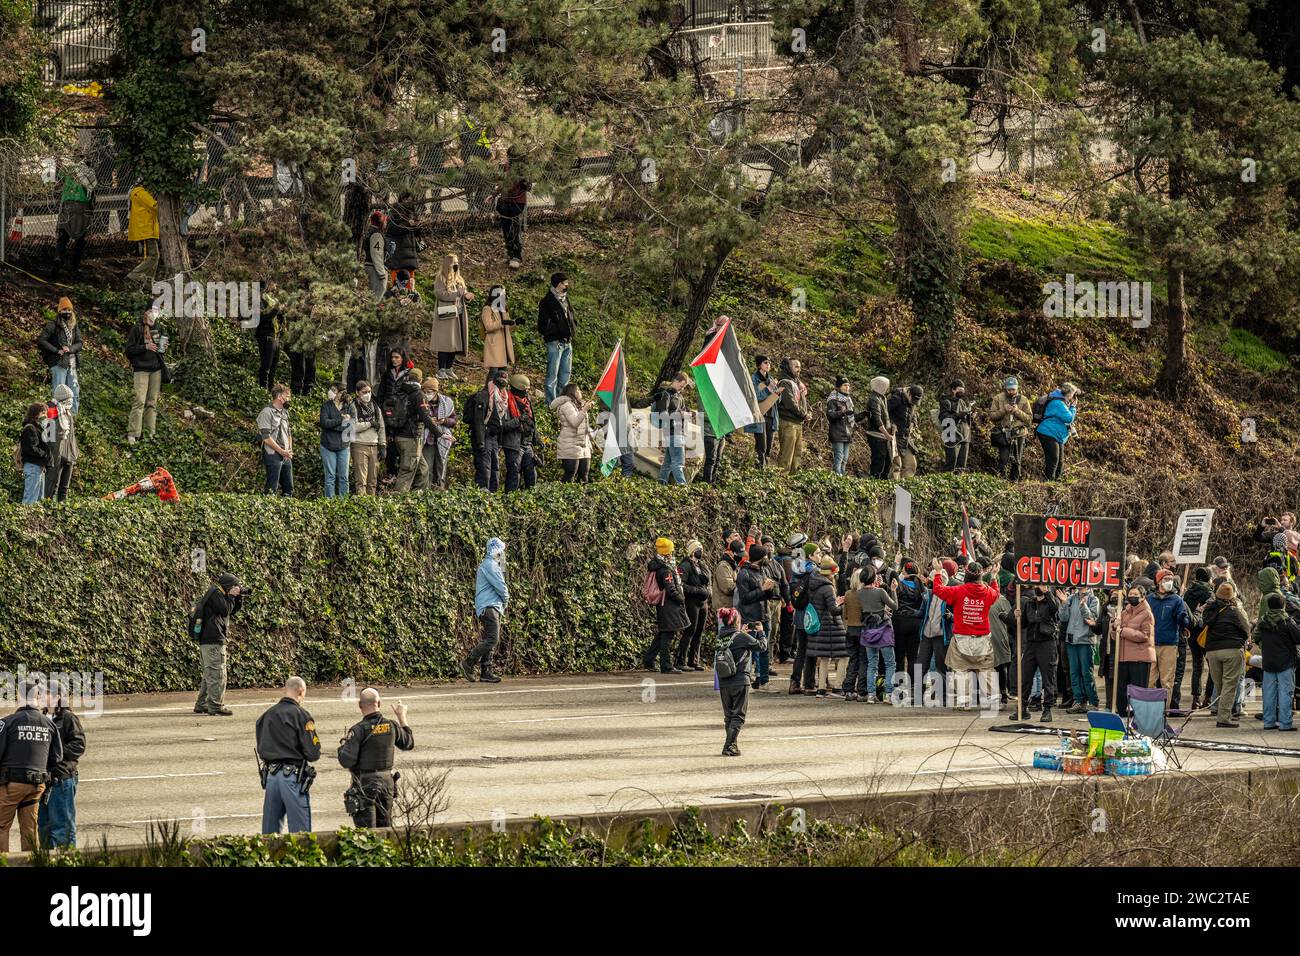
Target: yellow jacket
<point>143,221</point>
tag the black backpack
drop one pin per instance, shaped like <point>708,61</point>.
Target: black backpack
<point>396,412</point>
<point>194,623</point>
<point>1040,408</point>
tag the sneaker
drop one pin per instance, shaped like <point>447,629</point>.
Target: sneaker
<point>201,711</point>
<point>696,667</point>
<point>868,699</point>
<point>1046,717</point>
<point>1269,727</point>
<point>490,678</point>
<point>795,689</point>
<point>221,712</point>
<point>1257,717</point>
<point>467,672</point>
<point>1226,723</point>
<point>130,439</point>
<point>515,263</point>
<point>850,696</point>
<point>1287,730</point>
<point>821,693</point>
<point>1078,709</point>
<point>672,671</point>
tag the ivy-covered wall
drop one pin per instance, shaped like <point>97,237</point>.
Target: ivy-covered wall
<point>381,589</point>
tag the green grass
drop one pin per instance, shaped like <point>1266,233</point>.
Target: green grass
<point>1253,352</point>
<point>1052,246</point>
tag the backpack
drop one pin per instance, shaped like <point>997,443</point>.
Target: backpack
<point>812,621</point>
<point>651,592</point>
<point>1040,408</point>
<point>799,591</point>
<point>396,412</point>
<point>724,662</point>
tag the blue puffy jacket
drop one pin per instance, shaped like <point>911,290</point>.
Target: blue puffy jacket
<point>1057,418</point>
<point>490,583</point>
<point>1171,616</point>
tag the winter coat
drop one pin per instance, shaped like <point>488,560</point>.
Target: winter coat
<point>1039,620</point>
<point>32,447</point>
<point>911,597</point>
<point>215,612</point>
<point>498,342</point>
<point>698,582</point>
<point>724,583</point>
<point>63,450</point>
<point>142,219</point>
<point>751,599</point>
<point>73,737</point>
<point>1018,420</point>
<point>793,405</point>
<point>840,417</point>
<point>450,332</point>
<point>672,614</point>
<point>1228,627</point>
<point>999,633</point>
<point>832,639</point>
<point>1057,418</point>
<point>370,424</point>
<point>555,319</point>
<point>473,414</point>
<point>1137,633</point>
<point>902,415</point>
<point>137,353</point>
<point>490,588</point>
<point>743,647</point>
<point>877,414</point>
<point>516,430</point>
<point>1277,644</point>
<point>55,336</point>
<point>1171,616</point>
<point>406,247</point>
<point>331,425</point>
<point>574,439</point>
<point>956,410</point>
<point>409,393</point>
<point>763,389</point>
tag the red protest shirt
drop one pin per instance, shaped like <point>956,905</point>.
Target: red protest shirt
<point>970,605</point>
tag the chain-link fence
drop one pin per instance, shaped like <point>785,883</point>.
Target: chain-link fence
<point>83,36</point>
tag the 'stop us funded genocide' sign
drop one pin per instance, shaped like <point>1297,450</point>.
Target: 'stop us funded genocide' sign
<point>1065,552</point>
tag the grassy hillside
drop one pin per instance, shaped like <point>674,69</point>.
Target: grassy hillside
<point>852,325</point>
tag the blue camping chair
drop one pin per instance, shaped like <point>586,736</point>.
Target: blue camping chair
<point>1147,709</point>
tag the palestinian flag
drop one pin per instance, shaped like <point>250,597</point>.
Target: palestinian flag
<point>967,543</point>
<point>723,379</point>
<point>612,390</point>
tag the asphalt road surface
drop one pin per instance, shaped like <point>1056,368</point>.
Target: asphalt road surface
<point>564,745</point>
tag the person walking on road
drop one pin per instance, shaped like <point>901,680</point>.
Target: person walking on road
<point>287,746</point>
<point>491,596</point>
<point>210,623</point>
<point>367,752</point>
<point>671,615</point>
<point>734,688</point>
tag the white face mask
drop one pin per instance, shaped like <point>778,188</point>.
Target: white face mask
<point>1167,586</point>
<point>332,394</point>
<point>428,396</point>
<point>364,396</point>
<point>877,563</point>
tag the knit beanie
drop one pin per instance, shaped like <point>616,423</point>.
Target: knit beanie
<point>663,546</point>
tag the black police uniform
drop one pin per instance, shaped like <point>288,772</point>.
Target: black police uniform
<point>30,750</point>
<point>367,751</point>
<point>287,744</point>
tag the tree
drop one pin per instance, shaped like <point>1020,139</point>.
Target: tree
<point>159,99</point>
<point>1212,147</point>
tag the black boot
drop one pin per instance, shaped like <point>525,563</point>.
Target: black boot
<point>487,676</point>
<point>729,748</point>
<point>467,670</point>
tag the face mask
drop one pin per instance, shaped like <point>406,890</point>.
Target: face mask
<point>877,563</point>
<point>332,394</point>
<point>1132,601</point>
<point>286,404</point>
<point>959,394</point>
<point>428,396</point>
<point>364,396</point>
<point>1167,586</point>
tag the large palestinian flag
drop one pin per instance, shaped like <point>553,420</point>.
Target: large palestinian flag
<point>612,390</point>
<point>723,379</point>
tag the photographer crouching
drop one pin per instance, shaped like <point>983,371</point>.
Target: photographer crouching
<point>209,624</point>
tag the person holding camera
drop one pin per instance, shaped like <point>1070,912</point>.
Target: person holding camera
<point>366,751</point>
<point>30,752</point>
<point>733,688</point>
<point>287,746</point>
<point>1010,414</point>
<point>1056,427</point>
<point>210,624</point>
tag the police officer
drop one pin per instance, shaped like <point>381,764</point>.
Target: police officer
<point>29,752</point>
<point>287,746</point>
<point>367,751</point>
<point>57,820</point>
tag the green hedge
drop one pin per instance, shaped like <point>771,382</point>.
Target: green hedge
<point>381,589</point>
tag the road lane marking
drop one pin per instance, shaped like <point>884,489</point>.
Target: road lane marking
<point>155,776</point>
<point>542,720</point>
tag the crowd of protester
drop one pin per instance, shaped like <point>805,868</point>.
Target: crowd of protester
<point>852,622</point>
<point>387,427</point>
